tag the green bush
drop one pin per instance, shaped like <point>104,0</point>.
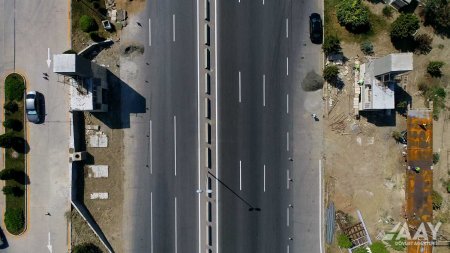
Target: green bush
<point>436,158</point>
<point>11,106</point>
<point>331,45</point>
<point>344,241</point>
<point>360,250</point>
<point>6,140</point>
<point>86,248</point>
<point>378,247</point>
<point>423,43</point>
<point>330,73</point>
<point>13,124</point>
<point>437,14</point>
<point>387,11</point>
<point>367,47</point>
<point>7,174</point>
<point>13,190</point>
<point>14,87</point>
<point>14,220</point>
<point>404,27</point>
<point>353,15</point>
<point>88,24</point>
<point>434,68</point>
<point>437,200</point>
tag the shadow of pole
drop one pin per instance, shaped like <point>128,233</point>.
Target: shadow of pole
<point>251,207</point>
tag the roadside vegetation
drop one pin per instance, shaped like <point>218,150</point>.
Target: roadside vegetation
<point>86,248</point>
<point>14,143</point>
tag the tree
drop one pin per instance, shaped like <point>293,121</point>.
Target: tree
<point>437,14</point>
<point>404,27</point>
<point>434,68</point>
<point>7,174</point>
<point>12,190</point>
<point>436,199</point>
<point>367,47</point>
<point>423,43</point>
<point>331,45</point>
<point>360,250</point>
<point>86,248</point>
<point>344,241</point>
<point>6,140</point>
<point>88,24</point>
<point>353,15</point>
<point>14,220</point>
<point>330,73</point>
<point>11,106</point>
<point>13,124</point>
<point>14,87</point>
<point>387,11</point>
<point>378,247</point>
<point>436,158</point>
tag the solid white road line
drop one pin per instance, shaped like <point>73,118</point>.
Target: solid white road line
<point>151,148</point>
<point>287,249</point>
<point>263,2</point>
<point>320,206</point>
<point>287,66</point>
<point>287,217</point>
<point>287,179</point>
<point>176,227</point>
<point>240,175</point>
<point>151,222</point>
<point>264,90</point>
<point>149,32</point>
<point>287,28</point>
<point>217,126</point>
<point>175,143</point>
<point>287,141</point>
<point>264,178</point>
<point>240,92</point>
<point>198,132</point>
<point>287,103</point>
<point>173,26</point>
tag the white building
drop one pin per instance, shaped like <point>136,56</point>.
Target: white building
<point>88,82</point>
<point>377,81</point>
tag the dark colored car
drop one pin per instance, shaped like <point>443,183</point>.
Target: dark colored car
<point>33,107</point>
<point>315,28</point>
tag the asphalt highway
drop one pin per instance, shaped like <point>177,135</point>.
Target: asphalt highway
<point>264,53</point>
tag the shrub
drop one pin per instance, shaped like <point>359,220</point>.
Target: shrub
<point>88,24</point>
<point>448,186</point>
<point>312,82</point>
<point>404,27</point>
<point>14,87</point>
<point>360,250</point>
<point>344,241</point>
<point>367,47</point>
<point>330,73</point>
<point>86,248</point>
<point>437,200</point>
<point>436,158</point>
<point>11,106</point>
<point>434,68</point>
<point>331,45</point>
<point>6,140</point>
<point>7,174</point>
<point>378,247</point>
<point>353,15</point>
<point>13,124</point>
<point>387,11</point>
<point>437,14</point>
<point>13,190</point>
<point>14,220</point>
<point>423,43</point>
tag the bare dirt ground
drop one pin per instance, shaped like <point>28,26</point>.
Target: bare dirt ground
<point>81,232</point>
<point>364,164</point>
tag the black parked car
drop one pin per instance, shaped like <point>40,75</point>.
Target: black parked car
<point>315,28</point>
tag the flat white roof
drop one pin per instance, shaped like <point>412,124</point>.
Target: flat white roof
<point>64,63</point>
<point>81,98</point>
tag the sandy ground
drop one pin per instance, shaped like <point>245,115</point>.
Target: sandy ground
<point>365,167</point>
